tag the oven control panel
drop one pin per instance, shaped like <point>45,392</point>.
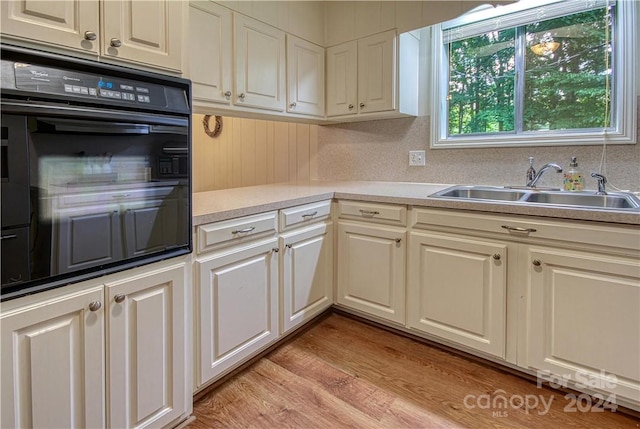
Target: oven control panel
<point>51,80</point>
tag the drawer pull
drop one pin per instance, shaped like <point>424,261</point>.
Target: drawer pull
<point>536,262</point>
<point>518,229</point>
<point>369,212</point>
<point>310,214</point>
<point>119,298</point>
<point>8,237</point>
<point>243,231</point>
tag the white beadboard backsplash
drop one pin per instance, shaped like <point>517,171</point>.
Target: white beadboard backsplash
<point>379,150</point>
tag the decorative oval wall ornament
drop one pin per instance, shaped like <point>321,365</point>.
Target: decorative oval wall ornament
<point>217,129</point>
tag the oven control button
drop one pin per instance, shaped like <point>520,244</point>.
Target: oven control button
<point>68,88</point>
<point>76,89</point>
<point>84,90</point>
<point>126,87</point>
<point>142,89</point>
<point>92,91</point>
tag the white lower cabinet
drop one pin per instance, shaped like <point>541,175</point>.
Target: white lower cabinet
<point>559,299</point>
<point>457,290</point>
<point>371,267</point>
<point>145,348</point>
<point>583,320</point>
<point>306,274</point>
<point>53,363</point>
<point>237,304</point>
<point>60,369</point>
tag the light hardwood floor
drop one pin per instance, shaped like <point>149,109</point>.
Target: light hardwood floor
<point>346,374</point>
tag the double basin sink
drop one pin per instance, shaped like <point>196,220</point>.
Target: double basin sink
<point>584,199</point>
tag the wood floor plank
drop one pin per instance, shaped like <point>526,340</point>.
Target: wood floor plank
<point>342,373</point>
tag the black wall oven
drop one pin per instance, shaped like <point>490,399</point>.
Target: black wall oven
<point>95,166</point>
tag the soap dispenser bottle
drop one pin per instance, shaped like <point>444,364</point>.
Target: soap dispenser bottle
<point>573,179</point>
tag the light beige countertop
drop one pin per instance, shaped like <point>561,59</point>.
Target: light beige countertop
<point>212,206</point>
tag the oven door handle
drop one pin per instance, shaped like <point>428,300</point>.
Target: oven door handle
<point>67,111</point>
<point>94,127</point>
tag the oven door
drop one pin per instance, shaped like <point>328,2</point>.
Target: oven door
<point>96,199</point>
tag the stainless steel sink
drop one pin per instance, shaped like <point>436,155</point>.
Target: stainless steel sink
<point>609,201</point>
<point>481,193</point>
<point>587,199</point>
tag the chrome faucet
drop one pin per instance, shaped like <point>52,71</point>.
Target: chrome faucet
<point>602,181</point>
<point>531,183</point>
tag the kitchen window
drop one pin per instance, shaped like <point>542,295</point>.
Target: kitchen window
<point>536,73</point>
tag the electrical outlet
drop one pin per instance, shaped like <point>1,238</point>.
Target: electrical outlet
<point>417,158</point>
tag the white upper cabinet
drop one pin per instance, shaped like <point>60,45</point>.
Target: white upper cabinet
<point>259,59</point>
<point>210,47</point>
<point>362,76</point>
<point>147,32</point>
<point>305,77</point>
<point>67,24</point>
<point>137,31</point>
<point>342,79</point>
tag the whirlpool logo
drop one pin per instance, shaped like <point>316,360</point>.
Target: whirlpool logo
<point>36,73</point>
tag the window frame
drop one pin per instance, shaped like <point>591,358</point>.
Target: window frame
<point>625,66</point>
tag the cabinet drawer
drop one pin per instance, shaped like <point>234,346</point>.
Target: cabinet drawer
<point>381,213</point>
<point>234,231</point>
<point>303,215</point>
<point>530,229</point>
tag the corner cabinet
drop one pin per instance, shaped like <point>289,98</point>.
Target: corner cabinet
<point>305,77</point>
<point>138,31</point>
<point>306,263</point>
<point>108,352</point>
<point>371,259</point>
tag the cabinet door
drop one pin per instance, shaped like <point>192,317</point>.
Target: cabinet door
<point>377,72</point>
<point>148,32</point>
<point>583,320</point>
<point>306,274</point>
<point>150,226</point>
<point>69,24</point>
<point>237,307</point>
<point>146,348</point>
<point>371,265</point>
<point>259,51</point>
<point>305,77</point>
<point>210,51</point>
<point>53,364</point>
<point>86,237</point>
<point>342,79</point>
<point>457,290</point>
